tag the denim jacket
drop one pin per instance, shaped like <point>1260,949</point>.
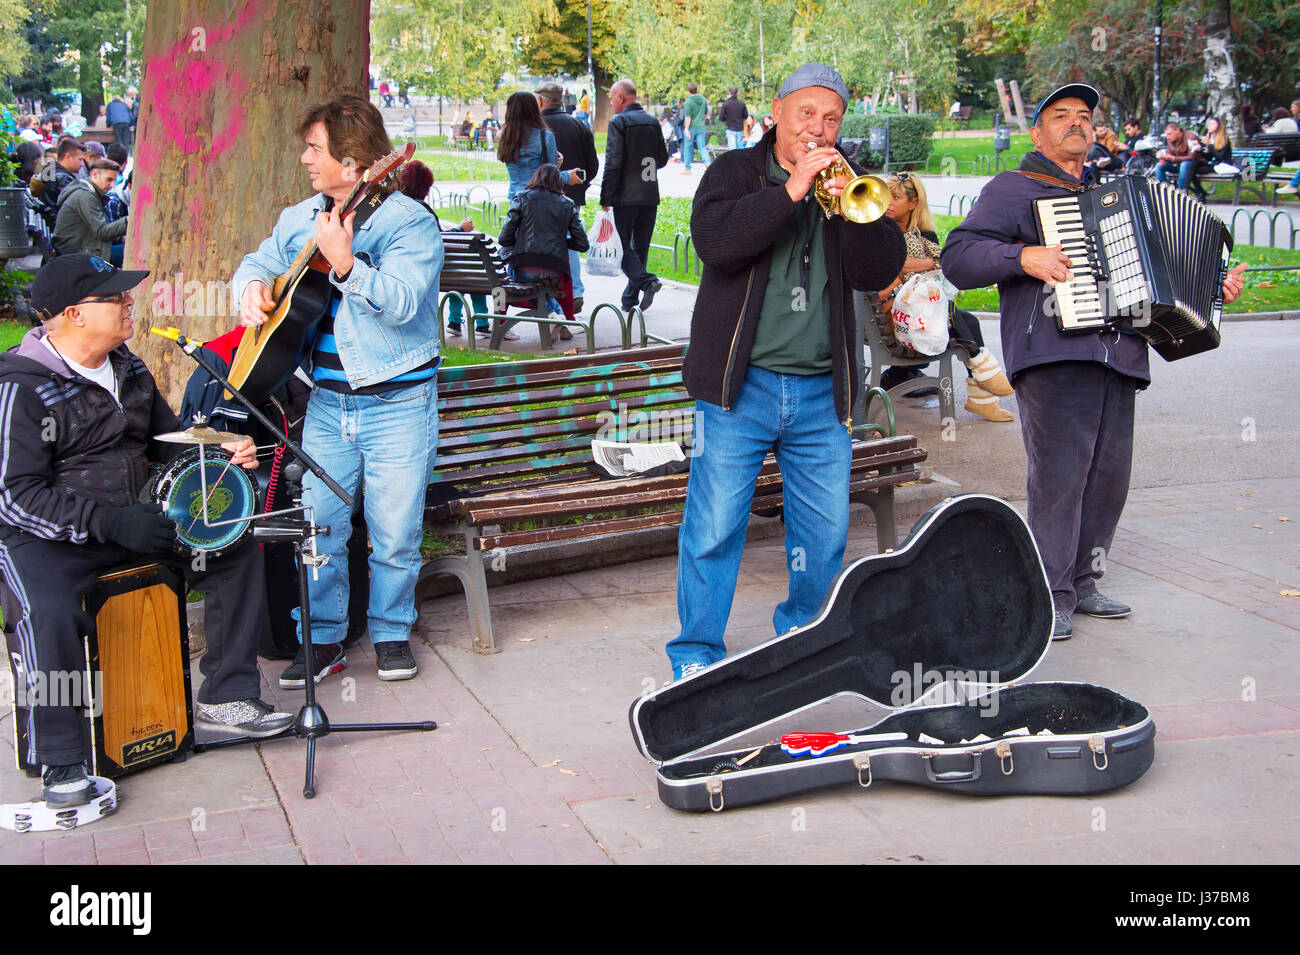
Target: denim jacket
<point>387,322</point>
<point>534,151</point>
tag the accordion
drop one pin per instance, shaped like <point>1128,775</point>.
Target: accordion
<point>1147,258</point>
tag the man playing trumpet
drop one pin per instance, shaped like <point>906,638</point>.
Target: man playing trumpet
<point>771,363</point>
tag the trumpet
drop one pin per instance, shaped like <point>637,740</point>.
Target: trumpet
<point>864,199</point>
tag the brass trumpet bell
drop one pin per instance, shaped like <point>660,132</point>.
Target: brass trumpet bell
<point>864,199</point>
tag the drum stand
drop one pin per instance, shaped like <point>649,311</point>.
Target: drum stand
<point>311,722</point>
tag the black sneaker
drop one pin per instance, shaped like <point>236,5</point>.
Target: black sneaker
<point>396,662</point>
<point>243,718</point>
<point>63,787</point>
<point>329,659</point>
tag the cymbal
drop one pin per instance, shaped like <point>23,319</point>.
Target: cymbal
<point>198,434</point>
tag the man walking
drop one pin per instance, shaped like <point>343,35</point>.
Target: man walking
<point>694,133</point>
<point>634,154</point>
<point>733,115</point>
<point>574,141</point>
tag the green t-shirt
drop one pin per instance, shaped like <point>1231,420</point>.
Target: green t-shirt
<point>794,328</point>
<point>696,108</point>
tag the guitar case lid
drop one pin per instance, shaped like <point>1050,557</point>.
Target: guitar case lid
<point>964,599</point>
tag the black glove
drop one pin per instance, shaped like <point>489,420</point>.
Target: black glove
<point>142,527</point>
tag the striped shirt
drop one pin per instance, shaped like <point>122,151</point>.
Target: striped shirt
<point>327,368</point>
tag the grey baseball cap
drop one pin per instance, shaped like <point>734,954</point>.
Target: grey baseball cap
<point>815,74</point>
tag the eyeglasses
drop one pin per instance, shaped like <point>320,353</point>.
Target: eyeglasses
<point>904,176</point>
<point>118,299</point>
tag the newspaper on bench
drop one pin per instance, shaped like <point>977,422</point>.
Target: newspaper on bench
<point>621,459</point>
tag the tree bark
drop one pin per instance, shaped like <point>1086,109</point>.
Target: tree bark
<point>223,86</point>
<point>1222,95</point>
<point>90,81</point>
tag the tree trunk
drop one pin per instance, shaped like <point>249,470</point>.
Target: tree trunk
<point>1222,96</point>
<point>600,99</point>
<point>217,156</point>
<point>90,81</point>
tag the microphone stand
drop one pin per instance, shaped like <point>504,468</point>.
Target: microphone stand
<point>311,723</point>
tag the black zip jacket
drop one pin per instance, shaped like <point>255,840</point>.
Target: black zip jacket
<point>67,448</point>
<point>635,142</point>
<point>738,216</point>
<point>575,141</point>
<point>541,222</point>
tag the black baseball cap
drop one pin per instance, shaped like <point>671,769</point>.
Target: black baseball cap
<point>1081,91</point>
<point>70,278</point>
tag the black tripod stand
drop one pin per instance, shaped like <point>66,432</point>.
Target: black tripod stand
<point>311,723</point>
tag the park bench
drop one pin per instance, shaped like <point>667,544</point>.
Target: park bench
<point>963,116</point>
<point>514,460</point>
<point>1288,144</point>
<point>458,140</point>
<point>472,265</point>
<point>1254,178</point>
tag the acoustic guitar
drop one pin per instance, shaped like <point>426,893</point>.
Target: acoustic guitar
<point>268,354</point>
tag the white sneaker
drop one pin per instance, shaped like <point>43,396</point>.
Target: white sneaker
<point>1287,191</point>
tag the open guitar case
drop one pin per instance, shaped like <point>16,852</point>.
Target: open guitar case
<point>942,631</point>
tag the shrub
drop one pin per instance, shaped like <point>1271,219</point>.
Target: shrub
<point>910,137</point>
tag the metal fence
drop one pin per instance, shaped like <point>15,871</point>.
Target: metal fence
<point>1281,227</point>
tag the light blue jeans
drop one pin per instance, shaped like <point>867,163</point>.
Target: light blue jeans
<point>794,416</point>
<point>699,139</point>
<point>390,441</point>
<point>1185,171</point>
<point>735,138</point>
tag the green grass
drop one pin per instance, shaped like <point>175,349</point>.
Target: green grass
<point>11,333</point>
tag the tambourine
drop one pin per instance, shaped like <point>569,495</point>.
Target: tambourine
<point>38,817</point>
<point>231,494</point>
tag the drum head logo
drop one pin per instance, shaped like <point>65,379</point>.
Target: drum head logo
<point>219,501</point>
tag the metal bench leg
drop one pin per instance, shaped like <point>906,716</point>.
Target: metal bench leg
<point>881,503</point>
<point>947,403</point>
<point>471,571</point>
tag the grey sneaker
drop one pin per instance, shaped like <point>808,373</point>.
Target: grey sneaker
<point>396,662</point>
<point>1096,605</point>
<point>245,717</point>
<point>63,787</point>
<point>1061,628</point>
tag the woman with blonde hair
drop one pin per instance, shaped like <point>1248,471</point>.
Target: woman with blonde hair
<point>985,380</point>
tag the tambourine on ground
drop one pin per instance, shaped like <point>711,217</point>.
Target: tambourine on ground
<point>39,817</point>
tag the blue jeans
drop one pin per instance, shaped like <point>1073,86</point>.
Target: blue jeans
<point>1185,171</point>
<point>793,415</point>
<point>698,138</point>
<point>735,138</point>
<point>390,441</point>
<point>455,311</point>
<point>575,273</point>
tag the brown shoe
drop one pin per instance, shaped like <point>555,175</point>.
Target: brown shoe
<point>989,375</point>
<point>980,402</point>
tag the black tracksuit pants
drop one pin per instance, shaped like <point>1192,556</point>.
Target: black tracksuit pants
<point>46,583</point>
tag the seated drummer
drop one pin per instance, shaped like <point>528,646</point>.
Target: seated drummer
<point>77,411</point>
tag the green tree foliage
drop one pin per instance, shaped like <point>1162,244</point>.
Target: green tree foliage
<point>556,41</point>
<point>1111,44</point>
<point>1266,50</point>
<point>456,48</point>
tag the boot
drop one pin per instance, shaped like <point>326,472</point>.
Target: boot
<point>982,403</point>
<point>988,374</point>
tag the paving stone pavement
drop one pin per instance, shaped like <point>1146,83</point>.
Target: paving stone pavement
<point>533,760</point>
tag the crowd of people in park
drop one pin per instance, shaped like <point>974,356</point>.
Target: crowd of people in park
<point>80,188</point>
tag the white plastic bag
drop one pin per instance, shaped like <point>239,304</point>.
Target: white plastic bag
<point>1226,169</point>
<point>920,313</point>
<point>605,255</point>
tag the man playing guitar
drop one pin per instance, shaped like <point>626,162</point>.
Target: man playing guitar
<point>373,415</point>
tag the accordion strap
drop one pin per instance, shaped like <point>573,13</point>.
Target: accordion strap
<point>1053,181</point>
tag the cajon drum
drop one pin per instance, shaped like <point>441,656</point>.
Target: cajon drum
<point>137,673</point>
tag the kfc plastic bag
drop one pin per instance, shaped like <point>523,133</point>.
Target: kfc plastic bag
<point>920,313</point>
<point>605,255</point>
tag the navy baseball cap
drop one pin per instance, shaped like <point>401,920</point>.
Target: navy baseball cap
<point>68,279</point>
<point>815,74</point>
<point>1076,90</point>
